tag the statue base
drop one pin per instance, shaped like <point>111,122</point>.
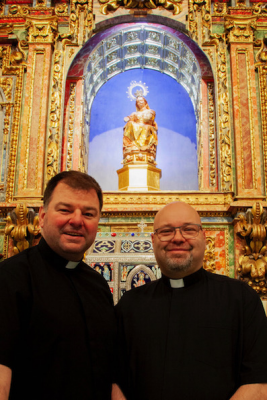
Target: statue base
<point>139,177</point>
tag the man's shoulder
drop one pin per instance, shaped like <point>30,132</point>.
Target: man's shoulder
<point>19,260</point>
<point>237,286</point>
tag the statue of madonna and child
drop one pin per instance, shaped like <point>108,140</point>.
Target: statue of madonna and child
<point>140,137</point>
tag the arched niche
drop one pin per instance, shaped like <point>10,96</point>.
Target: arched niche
<point>145,45</point>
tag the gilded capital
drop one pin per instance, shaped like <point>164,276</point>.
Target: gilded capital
<point>240,28</point>
<point>41,29</point>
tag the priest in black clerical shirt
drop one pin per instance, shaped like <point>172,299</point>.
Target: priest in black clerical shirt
<point>191,335</point>
<point>57,321</point>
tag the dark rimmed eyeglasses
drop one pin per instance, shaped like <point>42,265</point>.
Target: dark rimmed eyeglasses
<point>189,231</point>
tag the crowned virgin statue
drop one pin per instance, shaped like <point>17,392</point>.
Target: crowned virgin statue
<point>140,137</point>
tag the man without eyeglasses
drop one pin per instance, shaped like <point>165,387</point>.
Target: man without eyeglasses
<point>191,335</point>
<point>58,328</point>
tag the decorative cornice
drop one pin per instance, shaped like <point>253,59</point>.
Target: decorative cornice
<point>240,28</point>
<point>153,201</point>
<point>108,6</point>
<point>41,29</point>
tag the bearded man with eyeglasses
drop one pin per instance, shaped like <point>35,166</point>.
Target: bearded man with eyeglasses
<point>191,335</point>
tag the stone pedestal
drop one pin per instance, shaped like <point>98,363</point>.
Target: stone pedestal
<point>139,177</point>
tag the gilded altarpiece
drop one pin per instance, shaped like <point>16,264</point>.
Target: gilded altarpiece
<point>49,76</point>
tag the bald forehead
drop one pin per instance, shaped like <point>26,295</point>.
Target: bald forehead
<point>175,214</point>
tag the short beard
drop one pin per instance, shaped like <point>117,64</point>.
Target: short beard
<point>178,265</point>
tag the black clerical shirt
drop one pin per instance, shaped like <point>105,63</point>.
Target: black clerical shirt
<point>200,342</point>
<point>57,328</point>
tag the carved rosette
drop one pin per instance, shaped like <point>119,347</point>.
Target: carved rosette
<point>253,259</point>
<point>240,28</point>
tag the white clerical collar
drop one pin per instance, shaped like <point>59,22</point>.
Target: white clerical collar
<point>72,264</point>
<point>177,283</point>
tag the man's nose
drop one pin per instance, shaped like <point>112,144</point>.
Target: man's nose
<point>178,237</point>
<point>76,218</point>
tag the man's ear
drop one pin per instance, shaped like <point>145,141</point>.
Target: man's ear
<point>152,238</point>
<point>41,216</point>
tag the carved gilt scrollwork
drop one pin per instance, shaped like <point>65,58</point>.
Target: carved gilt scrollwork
<point>224,117</point>
<point>108,6</point>
<point>16,10</point>
<point>62,10</point>
<point>253,262</point>
<point>71,125</point>
<point>259,8</point>
<point>209,256</point>
<point>6,84</point>
<point>81,21</point>
<point>212,146</point>
<point>261,66</point>
<point>55,117</point>
<point>219,9</point>
<point>200,32</point>
<point>15,69</point>
<point>224,134</point>
<point>22,225</point>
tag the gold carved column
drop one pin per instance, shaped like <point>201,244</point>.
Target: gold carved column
<point>41,36</point>
<point>246,128</point>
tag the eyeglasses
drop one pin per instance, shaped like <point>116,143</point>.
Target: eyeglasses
<point>189,231</point>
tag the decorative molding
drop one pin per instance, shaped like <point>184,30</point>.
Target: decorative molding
<point>151,201</point>
<point>36,61</point>
<point>245,51</point>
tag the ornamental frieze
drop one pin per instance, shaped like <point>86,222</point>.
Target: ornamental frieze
<point>108,6</point>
